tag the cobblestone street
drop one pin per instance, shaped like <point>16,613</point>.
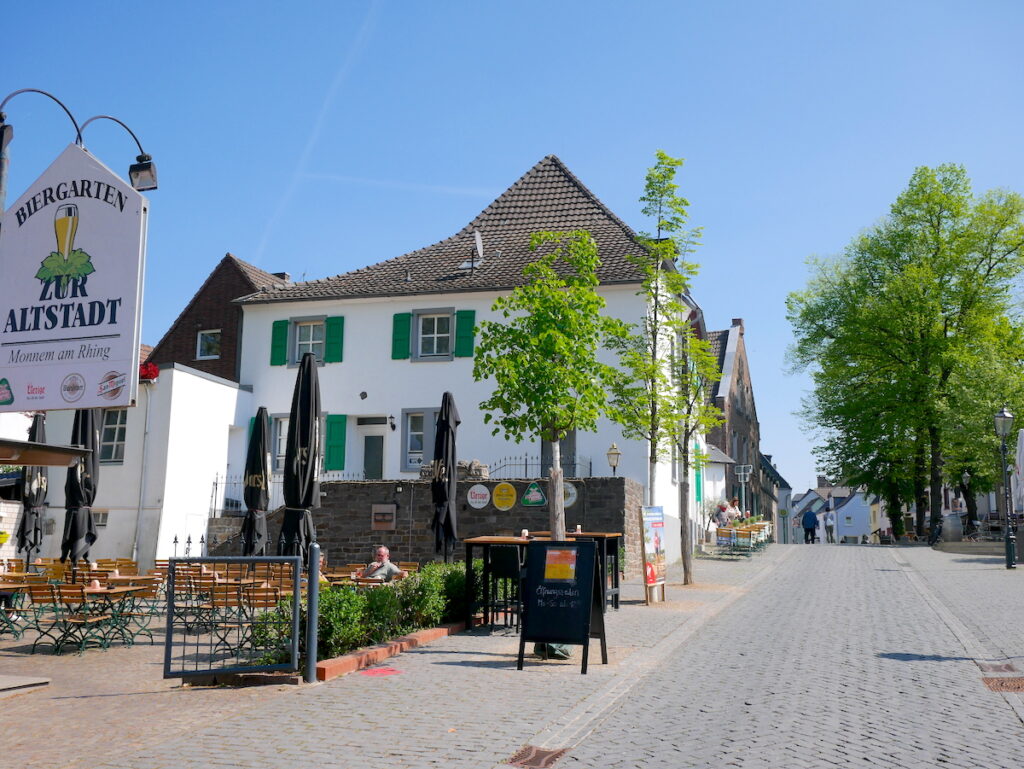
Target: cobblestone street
<point>818,656</point>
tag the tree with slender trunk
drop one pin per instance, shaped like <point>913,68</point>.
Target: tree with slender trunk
<point>543,354</point>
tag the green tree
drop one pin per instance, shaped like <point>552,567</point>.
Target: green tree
<point>543,356</point>
<point>657,392</point>
<point>897,331</point>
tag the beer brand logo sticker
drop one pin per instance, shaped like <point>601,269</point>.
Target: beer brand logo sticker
<point>72,388</point>
<point>34,392</point>
<point>478,496</point>
<point>504,496</point>
<point>569,494</point>
<point>6,394</point>
<point>534,496</point>
<point>112,384</point>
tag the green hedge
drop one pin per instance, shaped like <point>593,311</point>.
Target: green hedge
<point>350,619</point>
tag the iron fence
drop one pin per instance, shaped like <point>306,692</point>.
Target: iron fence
<point>533,466</point>
<point>227,493</point>
<point>232,615</point>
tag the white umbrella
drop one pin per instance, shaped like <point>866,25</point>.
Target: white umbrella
<point>1017,478</point>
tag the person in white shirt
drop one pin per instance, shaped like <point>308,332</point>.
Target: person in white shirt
<point>830,527</point>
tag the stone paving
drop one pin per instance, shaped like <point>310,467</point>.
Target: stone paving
<point>796,657</point>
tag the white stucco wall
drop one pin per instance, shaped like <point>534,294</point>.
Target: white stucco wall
<point>190,414</point>
<point>392,386</point>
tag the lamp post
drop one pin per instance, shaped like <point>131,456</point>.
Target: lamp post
<point>7,134</point>
<point>613,457</point>
<point>142,173</point>
<point>1004,424</point>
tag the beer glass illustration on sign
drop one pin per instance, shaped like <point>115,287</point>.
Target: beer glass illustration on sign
<point>65,224</point>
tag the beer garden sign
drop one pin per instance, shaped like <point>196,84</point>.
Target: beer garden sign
<point>72,253</point>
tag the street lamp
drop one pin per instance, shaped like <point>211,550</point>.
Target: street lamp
<point>613,457</point>
<point>1004,424</point>
<point>142,173</point>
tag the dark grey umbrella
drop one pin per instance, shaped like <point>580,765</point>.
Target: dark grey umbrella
<point>33,496</point>
<point>302,462</point>
<point>444,482</point>
<point>256,491</point>
<point>80,488</point>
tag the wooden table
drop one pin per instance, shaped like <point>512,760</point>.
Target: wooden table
<point>114,600</point>
<point>6,623</point>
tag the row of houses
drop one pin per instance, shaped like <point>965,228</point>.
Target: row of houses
<point>391,338</point>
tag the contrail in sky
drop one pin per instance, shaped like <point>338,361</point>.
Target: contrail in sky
<point>314,135</point>
<point>475,192</point>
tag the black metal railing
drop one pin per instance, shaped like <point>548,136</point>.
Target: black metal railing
<point>227,493</point>
<point>232,615</point>
<point>533,466</point>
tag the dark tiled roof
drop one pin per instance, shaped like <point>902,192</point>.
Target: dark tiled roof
<point>547,197</point>
<point>719,340</point>
<point>259,278</point>
<point>773,473</point>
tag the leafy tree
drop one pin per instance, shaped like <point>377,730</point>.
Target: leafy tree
<point>899,330</point>
<point>658,390</point>
<point>543,356</point>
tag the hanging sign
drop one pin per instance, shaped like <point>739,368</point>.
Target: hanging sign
<point>533,496</point>
<point>478,496</point>
<point>71,254</point>
<point>504,496</point>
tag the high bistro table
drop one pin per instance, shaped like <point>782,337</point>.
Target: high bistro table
<point>608,544</point>
<point>485,543</point>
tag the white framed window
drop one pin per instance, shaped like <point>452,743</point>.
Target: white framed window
<point>99,517</point>
<point>433,334</point>
<point>279,440</point>
<point>309,337</point>
<point>208,344</point>
<point>417,437</point>
<point>112,436</point>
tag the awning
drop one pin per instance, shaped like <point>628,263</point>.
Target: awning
<point>38,454</point>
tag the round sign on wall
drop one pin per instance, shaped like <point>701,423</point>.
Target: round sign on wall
<point>504,496</point>
<point>478,496</point>
<point>569,494</point>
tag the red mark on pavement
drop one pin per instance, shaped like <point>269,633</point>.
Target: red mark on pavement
<point>384,671</point>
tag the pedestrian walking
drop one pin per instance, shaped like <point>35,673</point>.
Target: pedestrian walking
<point>810,524</point>
<point>830,527</point>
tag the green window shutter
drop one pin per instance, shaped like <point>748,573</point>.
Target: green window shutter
<point>698,478</point>
<point>252,423</point>
<point>334,339</point>
<point>401,328</point>
<point>465,322</point>
<point>279,343</point>
<point>334,441</point>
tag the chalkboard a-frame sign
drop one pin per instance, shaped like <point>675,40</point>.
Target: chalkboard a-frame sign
<point>561,597</point>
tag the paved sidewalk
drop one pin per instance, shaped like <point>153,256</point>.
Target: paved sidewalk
<point>457,702</point>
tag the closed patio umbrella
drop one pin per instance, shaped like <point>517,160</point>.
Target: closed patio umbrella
<point>33,495</point>
<point>80,489</point>
<point>256,491</point>
<point>444,482</point>
<point>302,462</point>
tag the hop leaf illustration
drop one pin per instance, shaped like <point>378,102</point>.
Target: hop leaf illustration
<point>77,265</point>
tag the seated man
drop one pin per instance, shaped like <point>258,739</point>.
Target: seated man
<point>382,568</point>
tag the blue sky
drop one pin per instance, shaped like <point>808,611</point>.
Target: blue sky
<point>318,137</point>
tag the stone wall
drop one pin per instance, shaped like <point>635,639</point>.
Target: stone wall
<point>345,532</point>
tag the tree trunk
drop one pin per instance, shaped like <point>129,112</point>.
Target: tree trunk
<point>556,497</point>
<point>652,476</point>
<point>935,476</point>
<point>894,511</point>
<point>686,545</point>
<point>920,490</point>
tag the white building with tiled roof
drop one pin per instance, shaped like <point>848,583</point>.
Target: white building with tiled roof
<point>393,336</point>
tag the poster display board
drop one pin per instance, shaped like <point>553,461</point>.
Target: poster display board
<point>652,522</point>
<point>561,602</point>
<point>71,255</point>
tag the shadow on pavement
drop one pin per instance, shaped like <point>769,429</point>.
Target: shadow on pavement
<point>907,657</point>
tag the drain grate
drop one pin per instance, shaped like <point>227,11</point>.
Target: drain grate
<point>1006,684</point>
<point>997,667</point>
<point>536,758</point>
